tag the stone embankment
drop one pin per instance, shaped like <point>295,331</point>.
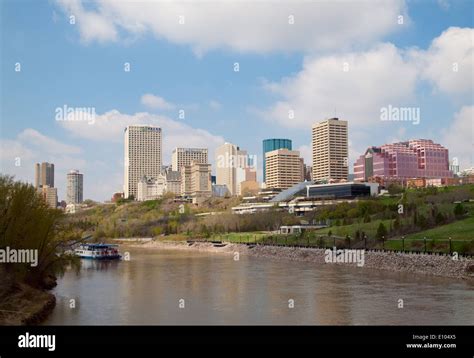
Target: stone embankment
<point>425,264</point>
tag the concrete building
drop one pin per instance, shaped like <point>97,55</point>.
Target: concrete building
<point>50,195</point>
<point>271,145</point>
<point>418,158</point>
<point>330,150</point>
<point>248,176</point>
<point>75,183</point>
<point>284,168</point>
<point>183,156</point>
<point>196,180</point>
<point>143,156</point>
<point>186,181</point>
<point>201,180</point>
<point>44,175</point>
<point>173,182</point>
<point>151,188</point>
<point>229,157</point>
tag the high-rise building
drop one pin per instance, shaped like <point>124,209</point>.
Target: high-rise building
<point>330,150</point>
<point>143,156</point>
<point>183,156</point>
<point>274,144</point>
<point>284,168</point>
<point>196,180</point>
<point>201,179</point>
<point>50,195</point>
<point>229,157</point>
<point>75,183</point>
<point>418,158</point>
<point>44,175</point>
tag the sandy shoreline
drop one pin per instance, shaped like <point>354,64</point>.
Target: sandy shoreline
<point>434,265</point>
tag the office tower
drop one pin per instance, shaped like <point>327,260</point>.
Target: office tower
<point>419,158</point>
<point>274,144</point>
<point>50,195</point>
<point>74,193</point>
<point>284,168</point>
<point>228,158</point>
<point>143,156</point>
<point>183,156</point>
<point>330,150</point>
<point>44,175</point>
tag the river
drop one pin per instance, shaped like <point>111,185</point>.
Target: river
<point>187,287</point>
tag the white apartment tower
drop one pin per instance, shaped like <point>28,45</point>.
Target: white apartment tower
<point>75,182</point>
<point>182,157</point>
<point>330,150</point>
<point>228,158</point>
<point>143,156</point>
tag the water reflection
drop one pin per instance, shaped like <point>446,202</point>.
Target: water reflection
<point>218,290</point>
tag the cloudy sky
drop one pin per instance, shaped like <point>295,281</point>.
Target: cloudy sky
<point>174,64</point>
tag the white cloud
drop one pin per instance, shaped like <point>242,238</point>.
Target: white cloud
<point>109,127</point>
<point>30,147</point>
<point>449,61</point>
<point>261,27</point>
<point>459,137</point>
<point>156,102</point>
<point>46,144</point>
<point>352,86</point>
<point>94,25</point>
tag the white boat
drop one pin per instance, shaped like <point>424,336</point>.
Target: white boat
<point>98,251</point>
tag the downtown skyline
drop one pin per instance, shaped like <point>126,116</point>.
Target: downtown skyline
<point>187,84</point>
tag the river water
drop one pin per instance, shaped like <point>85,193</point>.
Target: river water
<point>187,287</point>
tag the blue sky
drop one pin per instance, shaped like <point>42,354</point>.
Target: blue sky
<point>190,67</point>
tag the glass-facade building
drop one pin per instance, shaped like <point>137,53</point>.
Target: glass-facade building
<point>337,191</point>
<point>274,144</point>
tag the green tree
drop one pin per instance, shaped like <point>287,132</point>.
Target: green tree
<point>459,210</point>
<point>439,219</point>
<point>394,189</point>
<point>381,231</point>
<point>27,222</point>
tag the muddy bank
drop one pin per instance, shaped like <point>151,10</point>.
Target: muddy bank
<point>21,304</point>
<point>435,265</point>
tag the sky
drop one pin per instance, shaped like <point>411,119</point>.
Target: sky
<point>75,73</point>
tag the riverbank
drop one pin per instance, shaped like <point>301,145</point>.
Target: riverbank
<point>434,265</point>
<point>21,304</point>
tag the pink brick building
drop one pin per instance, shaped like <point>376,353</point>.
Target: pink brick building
<point>419,158</point>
